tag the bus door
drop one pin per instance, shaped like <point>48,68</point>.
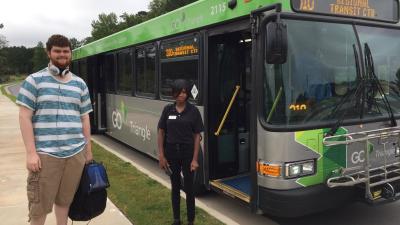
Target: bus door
<point>90,79</point>
<point>100,95</point>
<point>229,63</point>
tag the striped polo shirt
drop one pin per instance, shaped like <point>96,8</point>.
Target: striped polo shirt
<point>58,107</point>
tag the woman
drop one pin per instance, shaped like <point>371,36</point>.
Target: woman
<point>178,144</point>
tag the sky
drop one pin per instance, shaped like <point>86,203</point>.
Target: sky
<point>26,22</point>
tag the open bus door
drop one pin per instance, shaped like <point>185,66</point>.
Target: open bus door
<point>229,85</point>
<point>235,56</point>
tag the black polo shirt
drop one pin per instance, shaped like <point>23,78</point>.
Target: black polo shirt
<point>180,127</point>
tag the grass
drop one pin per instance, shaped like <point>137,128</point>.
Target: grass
<point>141,199</point>
<point>4,92</point>
<point>12,79</point>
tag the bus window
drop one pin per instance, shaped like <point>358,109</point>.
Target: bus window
<point>180,60</point>
<point>124,73</point>
<point>145,70</point>
<point>317,75</point>
<point>171,71</point>
<point>109,73</point>
<point>74,67</point>
<point>82,69</point>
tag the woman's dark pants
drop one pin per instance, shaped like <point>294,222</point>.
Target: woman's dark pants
<point>179,157</point>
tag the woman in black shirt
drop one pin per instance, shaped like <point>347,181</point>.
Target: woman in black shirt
<point>178,144</point>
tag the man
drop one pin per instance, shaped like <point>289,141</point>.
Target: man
<point>54,122</point>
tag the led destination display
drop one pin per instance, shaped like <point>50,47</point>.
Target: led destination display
<point>383,10</point>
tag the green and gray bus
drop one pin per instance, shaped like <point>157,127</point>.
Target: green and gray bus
<point>300,98</point>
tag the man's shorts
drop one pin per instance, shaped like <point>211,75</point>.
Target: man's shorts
<point>56,182</point>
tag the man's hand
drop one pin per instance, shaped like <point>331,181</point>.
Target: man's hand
<point>33,162</point>
<point>88,156</point>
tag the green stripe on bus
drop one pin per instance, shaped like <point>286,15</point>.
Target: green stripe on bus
<point>330,158</point>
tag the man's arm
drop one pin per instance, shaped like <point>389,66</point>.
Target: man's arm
<point>33,162</point>
<point>86,132</point>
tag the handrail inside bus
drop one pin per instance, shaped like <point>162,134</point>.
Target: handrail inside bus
<point>278,96</point>
<point>227,111</point>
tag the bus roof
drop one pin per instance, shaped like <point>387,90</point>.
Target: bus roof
<point>207,12</point>
<point>198,14</point>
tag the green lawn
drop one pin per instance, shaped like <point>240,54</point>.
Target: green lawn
<point>3,91</point>
<point>12,79</point>
<point>141,199</point>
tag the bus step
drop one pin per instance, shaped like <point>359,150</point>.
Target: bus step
<point>235,187</point>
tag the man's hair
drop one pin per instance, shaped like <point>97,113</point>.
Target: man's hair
<point>59,41</point>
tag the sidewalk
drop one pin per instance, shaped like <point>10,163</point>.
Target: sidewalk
<point>13,200</point>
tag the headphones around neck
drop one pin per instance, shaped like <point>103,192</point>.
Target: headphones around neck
<point>54,70</point>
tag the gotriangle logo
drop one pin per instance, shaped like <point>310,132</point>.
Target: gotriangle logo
<point>124,111</point>
<point>120,116</point>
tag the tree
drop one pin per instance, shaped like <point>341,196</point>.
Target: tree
<point>75,43</point>
<point>3,59</point>
<point>3,41</point>
<point>156,7</point>
<point>3,64</point>
<point>104,26</point>
<point>39,59</point>
<point>129,20</point>
<point>159,7</point>
<point>107,24</point>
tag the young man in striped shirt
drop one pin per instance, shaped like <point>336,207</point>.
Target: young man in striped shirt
<point>54,122</point>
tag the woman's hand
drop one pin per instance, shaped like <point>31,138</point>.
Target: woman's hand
<point>162,162</point>
<point>194,165</point>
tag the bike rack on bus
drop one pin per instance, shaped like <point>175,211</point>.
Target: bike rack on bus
<point>371,177</point>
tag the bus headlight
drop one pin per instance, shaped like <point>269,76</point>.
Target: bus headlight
<point>299,169</point>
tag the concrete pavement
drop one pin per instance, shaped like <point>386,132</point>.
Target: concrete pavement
<point>13,200</point>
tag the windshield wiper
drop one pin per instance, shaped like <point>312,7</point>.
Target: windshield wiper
<point>374,83</point>
<point>351,94</point>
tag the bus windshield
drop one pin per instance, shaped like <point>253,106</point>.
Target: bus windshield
<point>317,83</point>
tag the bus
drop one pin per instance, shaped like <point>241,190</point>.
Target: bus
<point>300,98</point>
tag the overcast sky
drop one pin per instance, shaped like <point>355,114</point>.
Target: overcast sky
<point>26,22</point>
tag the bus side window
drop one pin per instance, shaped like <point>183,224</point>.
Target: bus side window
<point>145,69</point>
<point>180,60</point>
<point>124,71</point>
<point>109,72</point>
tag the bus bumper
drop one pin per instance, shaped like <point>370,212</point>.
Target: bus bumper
<point>303,201</point>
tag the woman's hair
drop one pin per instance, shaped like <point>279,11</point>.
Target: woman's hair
<point>178,86</point>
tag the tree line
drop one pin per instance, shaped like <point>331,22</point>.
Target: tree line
<point>23,60</point>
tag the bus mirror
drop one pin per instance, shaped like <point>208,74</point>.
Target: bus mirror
<point>276,43</point>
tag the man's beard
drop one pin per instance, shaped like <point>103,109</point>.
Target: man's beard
<point>62,66</point>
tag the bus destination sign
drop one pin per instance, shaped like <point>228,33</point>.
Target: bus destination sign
<point>187,47</point>
<point>382,10</point>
